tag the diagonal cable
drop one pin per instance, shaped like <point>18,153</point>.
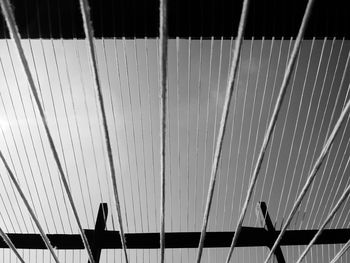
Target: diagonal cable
<point>11,24</point>
<point>85,11</point>
<point>272,124</point>
<point>222,127</point>
<point>311,177</point>
<point>30,210</point>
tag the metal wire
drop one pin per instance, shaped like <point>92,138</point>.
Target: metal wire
<point>311,177</point>
<point>85,10</point>
<point>223,123</point>
<point>11,24</point>
<point>271,126</point>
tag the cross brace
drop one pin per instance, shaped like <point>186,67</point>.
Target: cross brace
<point>104,239</point>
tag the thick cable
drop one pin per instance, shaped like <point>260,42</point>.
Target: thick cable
<point>228,168</point>
<point>271,125</point>
<point>197,126</point>
<point>85,10</point>
<point>125,129</point>
<point>11,245</point>
<point>325,223</point>
<point>241,129</point>
<point>223,123</point>
<point>269,112</point>
<point>30,210</point>
<point>116,138</point>
<point>269,62</point>
<point>341,252</point>
<point>336,154</point>
<point>326,136</point>
<point>311,177</point>
<point>11,24</point>
<point>163,64</point>
<point>294,136</point>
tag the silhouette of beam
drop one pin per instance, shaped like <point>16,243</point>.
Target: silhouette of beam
<point>99,238</point>
<point>247,238</point>
<point>98,233</point>
<point>267,223</point>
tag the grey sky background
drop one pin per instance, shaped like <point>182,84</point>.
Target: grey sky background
<point>130,87</point>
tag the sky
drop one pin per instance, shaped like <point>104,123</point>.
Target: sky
<point>196,87</point>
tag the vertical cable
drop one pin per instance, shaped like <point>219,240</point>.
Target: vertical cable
<point>163,61</point>
<point>11,24</point>
<point>85,10</point>
<point>272,124</point>
<point>223,123</point>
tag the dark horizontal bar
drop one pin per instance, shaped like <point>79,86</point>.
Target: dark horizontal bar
<point>249,237</point>
<point>195,18</point>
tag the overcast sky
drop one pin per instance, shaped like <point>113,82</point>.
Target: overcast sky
<point>130,88</point>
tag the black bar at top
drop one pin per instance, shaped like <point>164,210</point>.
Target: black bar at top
<point>249,237</point>
<point>195,18</point>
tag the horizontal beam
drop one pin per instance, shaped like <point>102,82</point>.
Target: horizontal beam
<point>247,238</point>
<point>195,18</point>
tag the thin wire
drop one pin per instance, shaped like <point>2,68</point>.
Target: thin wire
<point>133,128</point>
<point>223,123</point>
<point>10,20</point>
<point>311,176</point>
<point>170,175</point>
<point>57,126</point>
<point>207,120</point>
<point>188,137</point>
<point>317,109</point>
<point>268,115</point>
<point>5,206</point>
<point>252,114</point>
<point>231,137</point>
<point>85,10</point>
<point>214,131</point>
<point>271,125</point>
<point>241,127</point>
<point>42,145</point>
<point>291,147</point>
<point>337,152</point>
<point>126,133</point>
<point>188,126</point>
<point>329,126</point>
<point>260,113</point>
<point>117,140</point>
<point>142,133</point>
<point>8,149</point>
<point>308,112</point>
<point>178,132</point>
<point>325,223</point>
<point>343,250</point>
<point>151,127</point>
<point>11,245</point>
<point>163,64</point>
<point>70,133</point>
<point>273,136</point>
<point>30,210</point>
<point>20,130</point>
<point>64,104</point>
<point>197,126</point>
